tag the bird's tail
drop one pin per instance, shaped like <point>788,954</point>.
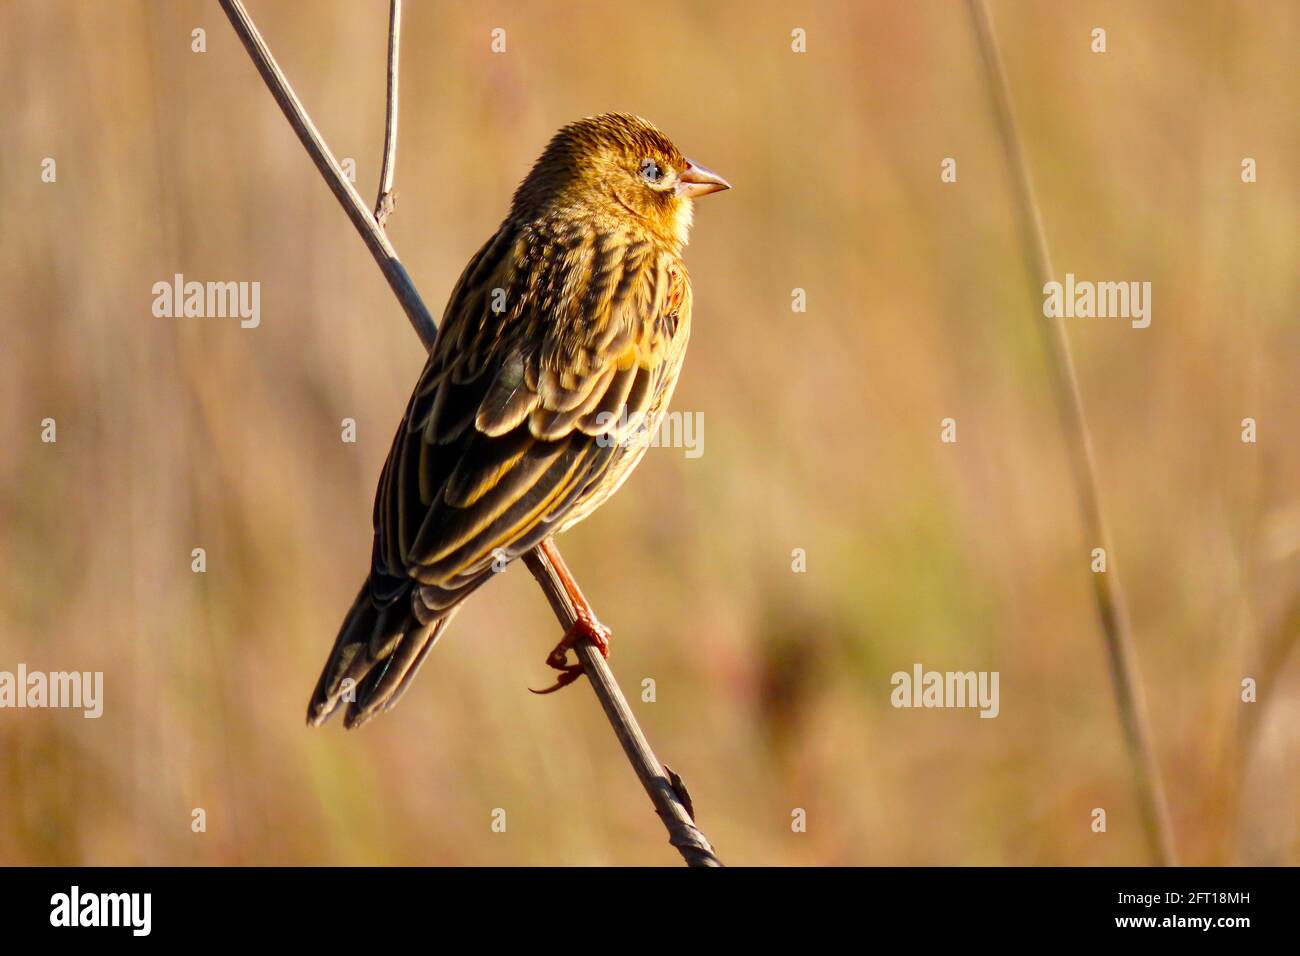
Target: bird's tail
<point>379,648</point>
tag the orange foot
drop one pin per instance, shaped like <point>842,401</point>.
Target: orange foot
<point>585,627</point>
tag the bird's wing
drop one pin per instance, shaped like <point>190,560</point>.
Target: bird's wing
<point>551,349</point>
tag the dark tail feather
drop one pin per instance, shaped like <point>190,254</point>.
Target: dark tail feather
<point>376,654</point>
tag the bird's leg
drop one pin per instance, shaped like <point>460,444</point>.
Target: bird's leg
<point>584,627</point>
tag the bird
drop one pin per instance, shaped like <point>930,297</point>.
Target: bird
<point>555,361</point>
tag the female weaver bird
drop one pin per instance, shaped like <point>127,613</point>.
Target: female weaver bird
<point>555,361</point>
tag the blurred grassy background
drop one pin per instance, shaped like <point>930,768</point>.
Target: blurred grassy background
<point>822,433</point>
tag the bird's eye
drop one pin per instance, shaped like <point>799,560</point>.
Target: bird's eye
<point>650,171</point>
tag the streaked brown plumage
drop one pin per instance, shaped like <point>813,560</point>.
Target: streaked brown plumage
<point>561,342</point>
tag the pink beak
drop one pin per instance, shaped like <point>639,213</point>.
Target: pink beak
<point>696,181</point>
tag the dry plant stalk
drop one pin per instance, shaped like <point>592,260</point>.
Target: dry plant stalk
<point>664,787</point>
<point>1116,630</point>
<point>384,204</point>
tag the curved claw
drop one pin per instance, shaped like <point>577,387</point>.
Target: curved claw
<point>569,673</point>
<point>585,627</point>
